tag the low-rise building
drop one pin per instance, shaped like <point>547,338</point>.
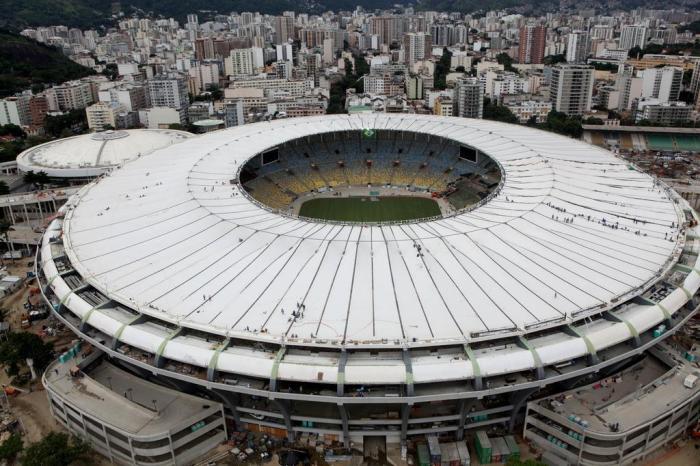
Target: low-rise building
<point>530,108</point>
<point>662,113</point>
<point>128,419</point>
<point>162,117</point>
<point>620,419</point>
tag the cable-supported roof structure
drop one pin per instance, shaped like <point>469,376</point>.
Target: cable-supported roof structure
<point>572,231</point>
<point>91,155</point>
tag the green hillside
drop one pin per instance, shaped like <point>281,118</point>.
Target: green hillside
<point>24,62</point>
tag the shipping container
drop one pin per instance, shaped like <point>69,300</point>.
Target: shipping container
<point>423,455</point>
<point>463,453</point>
<point>449,456</point>
<point>500,450</point>
<point>482,445</point>
<point>513,446</point>
<point>434,450</point>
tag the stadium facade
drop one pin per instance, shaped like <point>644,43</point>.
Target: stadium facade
<point>561,274</point>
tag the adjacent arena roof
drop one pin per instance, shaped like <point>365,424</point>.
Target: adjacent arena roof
<point>572,231</point>
<point>91,155</point>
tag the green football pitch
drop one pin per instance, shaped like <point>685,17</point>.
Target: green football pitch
<point>370,209</point>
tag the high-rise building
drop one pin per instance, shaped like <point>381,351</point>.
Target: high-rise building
<point>312,64</point>
<point>192,26</point>
<point>168,90</point>
<point>328,55</point>
<point>577,47</point>
<point>205,76</point>
<point>15,110</point>
<point>532,43</point>
<point>468,99</point>
<point>630,88</point>
<point>633,36</point>
<point>204,48</point>
<point>132,96</point>
<point>387,28</point>
<point>285,52</point>
<point>239,63</point>
<point>103,115</point>
<point>461,34</point>
<point>602,32</point>
<point>38,108</point>
<point>414,87</point>
<point>416,46</point>
<point>442,34</point>
<point>663,84</point>
<point>284,29</point>
<point>72,95</point>
<point>571,88</point>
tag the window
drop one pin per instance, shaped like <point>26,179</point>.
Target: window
<point>467,153</point>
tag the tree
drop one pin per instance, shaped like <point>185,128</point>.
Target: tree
<point>56,449</point>
<point>19,346</point>
<point>493,111</point>
<point>561,123</point>
<point>12,130</point>
<point>554,59</point>
<point>111,71</point>
<point>460,69</point>
<point>11,447</point>
<point>694,27</point>
<point>38,179</point>
<point>635,52</point>
<point>352,79</point>
<point>68,123</point>
<point>442,67</point>
<point>505,60</point>
<point>188,127</point>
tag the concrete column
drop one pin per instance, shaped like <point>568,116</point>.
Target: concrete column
<point>282,406</point>
<point>405,408</point>
<point>346,428</point>
<point>109,447</point>
<point>580,450</point>
<point>462,410</point>
<point>230,400</point>
<point>518,399</point>
<point>172,450</point>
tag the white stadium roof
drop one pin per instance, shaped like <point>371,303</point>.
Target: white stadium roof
<point>91,155</point>
<point>572,231</point>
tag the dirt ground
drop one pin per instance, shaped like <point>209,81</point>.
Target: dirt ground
<point>31,405</point>
<point>687,455</point>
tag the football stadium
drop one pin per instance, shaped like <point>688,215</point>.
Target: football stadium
<point>375,275</point>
